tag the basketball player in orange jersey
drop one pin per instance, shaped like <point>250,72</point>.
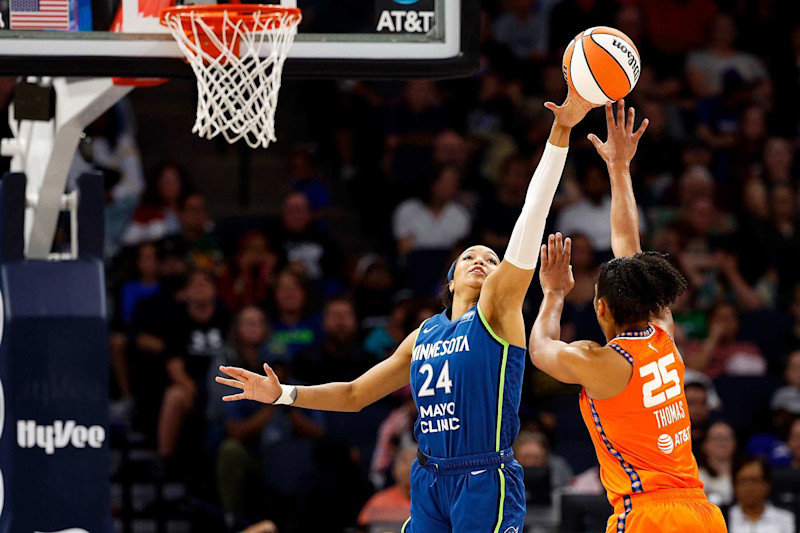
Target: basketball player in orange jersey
<point>632,399</point>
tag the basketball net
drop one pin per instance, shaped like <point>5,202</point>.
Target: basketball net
<point>237,52</point>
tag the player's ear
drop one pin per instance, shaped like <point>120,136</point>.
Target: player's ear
<point>600,307</point>
<point>452,286</point>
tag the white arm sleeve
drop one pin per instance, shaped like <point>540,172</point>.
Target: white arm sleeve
<point>523,246</point>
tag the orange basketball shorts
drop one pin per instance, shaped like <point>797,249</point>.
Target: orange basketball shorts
<point>666,511</point>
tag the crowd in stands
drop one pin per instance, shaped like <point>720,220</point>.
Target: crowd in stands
<point>430,167</point>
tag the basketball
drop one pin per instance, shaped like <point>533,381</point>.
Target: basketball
<point>601,64</point>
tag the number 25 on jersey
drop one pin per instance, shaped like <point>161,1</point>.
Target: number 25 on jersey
<point>665,383</point>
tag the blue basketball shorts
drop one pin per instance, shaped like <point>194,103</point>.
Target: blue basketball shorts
<point>448,497</point>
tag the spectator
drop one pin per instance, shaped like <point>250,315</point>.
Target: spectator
<point>145,285</point>
<point>718,116</point>
<point>151,326</point>
<point>382,341</point>
<point>373,286</point>
<point>338,356</point>
<point>495,216</point>
<point>592,214</point>
<point>522,29</point>
<point>716,463</point>
<point>294,329</point>
<point>249,425</point>
<point>306,178</point>
<point>265,526</point>
<point>791,340</point>
<point>570,17</point>
<point>579,306</point>
<point>676,26</point>
<point>392,505</point>
<point>794,444</point>
<point>249,278</point>
<point>335,490</point>
<point>785,237</point>
<point>394,433</point>
<point>699,405</point>
<point>752,512</point>
<point>705,69</point>
<point>778,160</point>
<point>158,215</point>
<point>197,240</point>
<point>658,154</point>
<point>297,240</point>
<point>787,398</point>
<point>196,338</point>
<point>131,293</point>
<point>436,221</point>
<point>531,450</point>
<point>426,229</point>
<point>413,124</point>
<point>722,352</point>
<point>111,148</point>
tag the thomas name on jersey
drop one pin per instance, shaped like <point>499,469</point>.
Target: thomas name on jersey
<point>440,348</point>
<point>670,414</point>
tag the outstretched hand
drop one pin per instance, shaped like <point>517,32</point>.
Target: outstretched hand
<point>264,389</point>
<point>620,147</point>
<point>555,273</point>
<point>572,110</point>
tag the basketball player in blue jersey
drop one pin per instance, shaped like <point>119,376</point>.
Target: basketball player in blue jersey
<point>465,367</point>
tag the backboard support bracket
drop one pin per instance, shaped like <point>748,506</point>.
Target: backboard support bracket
<point>44,150</point>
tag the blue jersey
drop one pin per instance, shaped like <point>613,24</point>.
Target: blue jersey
<point>466,382</point>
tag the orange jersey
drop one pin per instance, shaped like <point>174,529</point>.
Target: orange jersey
<point>642,435</point>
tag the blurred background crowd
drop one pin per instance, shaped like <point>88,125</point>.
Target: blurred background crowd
<point>379,188</point>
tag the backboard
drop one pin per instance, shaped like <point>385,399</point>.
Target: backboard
<point>336,39</point>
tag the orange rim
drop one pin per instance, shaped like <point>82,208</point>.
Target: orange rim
<point>214,14</point>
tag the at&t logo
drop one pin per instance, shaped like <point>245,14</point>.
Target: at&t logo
<point>400,17</point>
<point>665,444</point>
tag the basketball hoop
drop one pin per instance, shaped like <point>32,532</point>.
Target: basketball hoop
<point>237,88</point>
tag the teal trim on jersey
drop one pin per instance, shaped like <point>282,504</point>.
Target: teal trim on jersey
<point>501,388</point>
<point>502,500</point>
<point>405,524</point>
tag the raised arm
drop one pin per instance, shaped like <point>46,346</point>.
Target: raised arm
<point>599,369</point>
<point>380,380</point>
<point>617,152</point>
<point>504,291</point>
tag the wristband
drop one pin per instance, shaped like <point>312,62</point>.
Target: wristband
<point>288,395</point>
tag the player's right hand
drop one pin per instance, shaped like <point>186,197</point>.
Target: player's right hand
<point>572,110</point>
<point>264,389</point>
<point>620,147</point>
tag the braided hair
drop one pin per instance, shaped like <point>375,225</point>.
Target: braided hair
<point>639,287</point>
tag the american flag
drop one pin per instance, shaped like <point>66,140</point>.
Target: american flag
<point>39,14</point>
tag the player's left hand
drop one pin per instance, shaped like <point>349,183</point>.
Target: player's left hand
<point>620,147</point>
<point>572,110</point>
<point>555,273</point>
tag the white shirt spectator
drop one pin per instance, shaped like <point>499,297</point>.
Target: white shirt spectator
<point>715,66</point>
<point>592,220</point>
<point>414,219</point>
<point>719,489</point>
<point>772,520</point>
